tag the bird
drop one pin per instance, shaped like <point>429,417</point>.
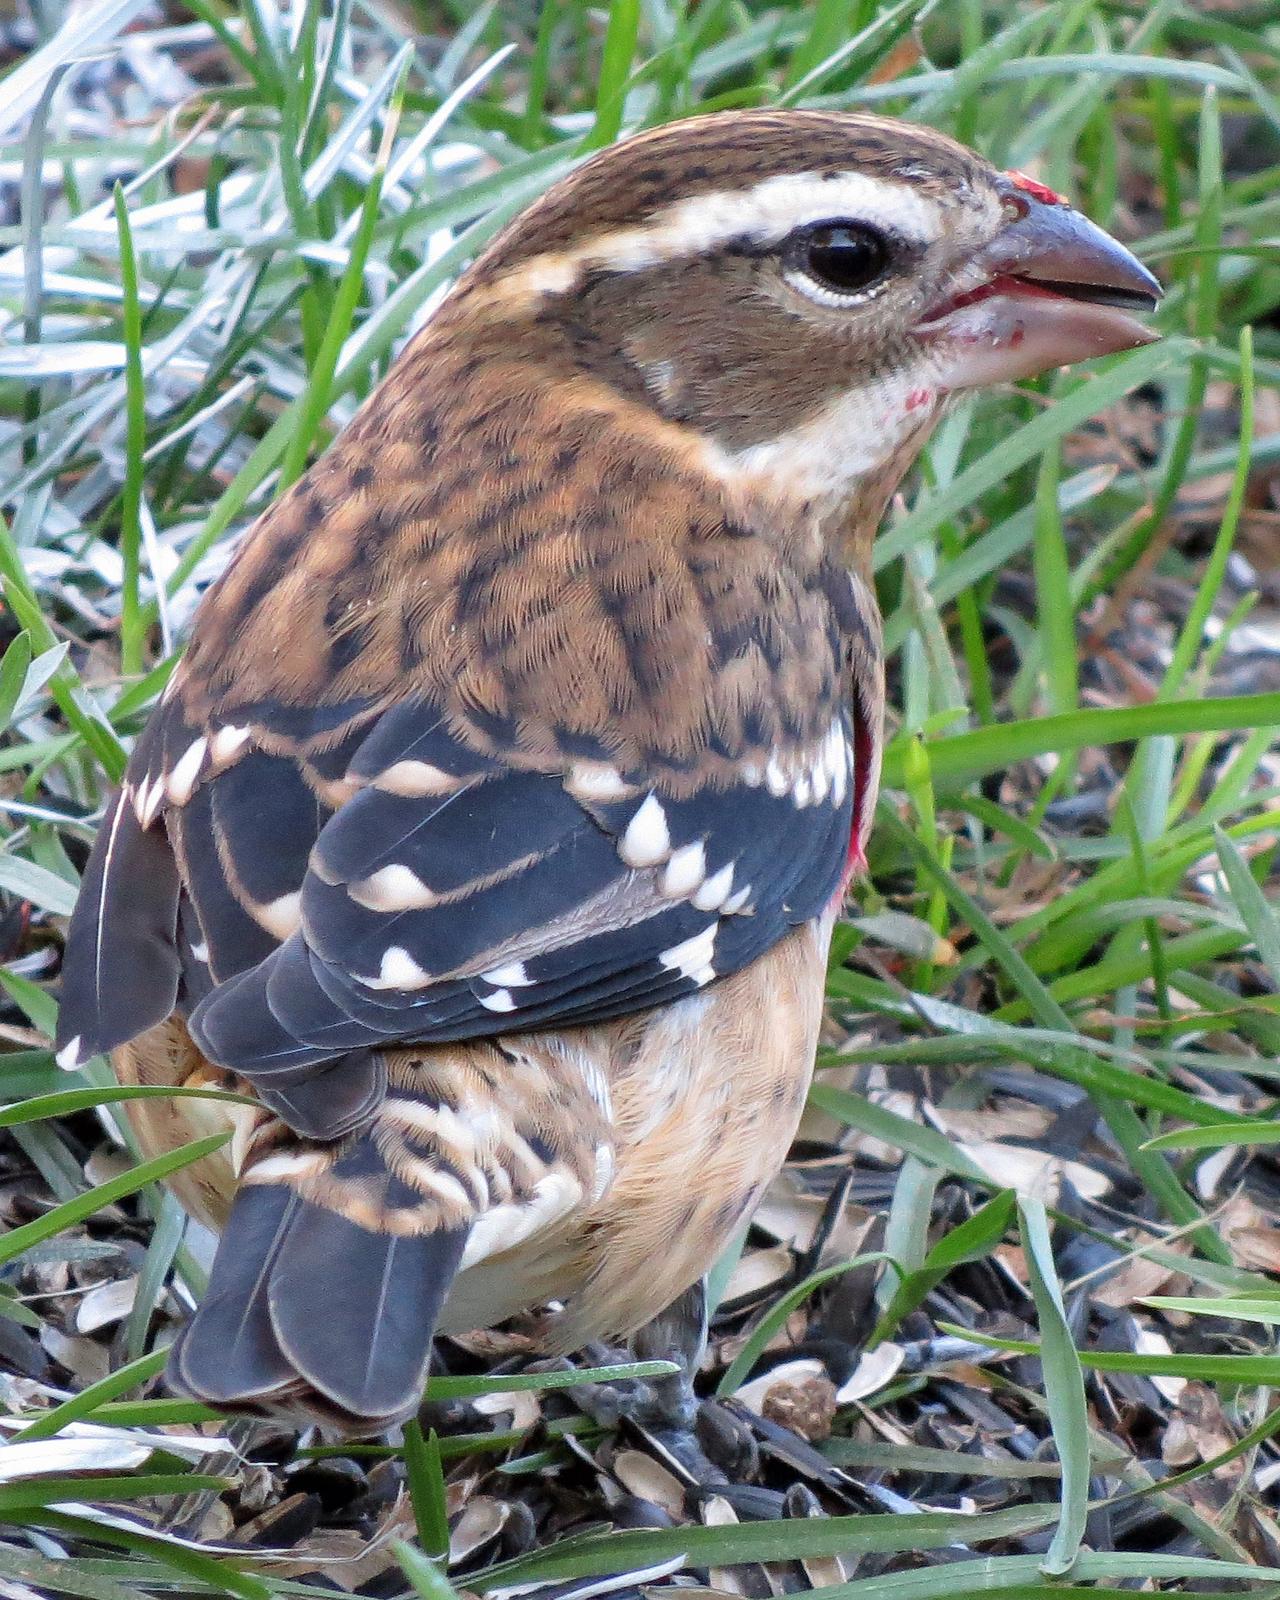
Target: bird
<point>488,838</point>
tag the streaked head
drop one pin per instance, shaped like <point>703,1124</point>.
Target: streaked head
<point>805,288</point>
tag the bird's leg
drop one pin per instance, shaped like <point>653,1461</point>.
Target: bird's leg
<point>679,1334</point>
<point>676,1334</point>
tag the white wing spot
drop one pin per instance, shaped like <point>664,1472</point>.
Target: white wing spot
<point>839,784</point>
<point>714,891</point>
<point>775,777</point>
<point>182,780</point>
<point>692,957</point>
<point>200,952</point>
<point>821,780</point>
<point>279,917</point>
<point>416,779</point>
<point>647,840</point>
<point>393,888</point>
<point>735,902</point>
<point>398,970</point>
<point>146,801</point>
<point>68,1058</point>
<point>684,871</point>
<point>511,976</point>
<point>596,780</point>
<point>226,743</point>
<point>499,1000</point>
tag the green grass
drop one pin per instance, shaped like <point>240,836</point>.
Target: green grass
<point>160,387</point>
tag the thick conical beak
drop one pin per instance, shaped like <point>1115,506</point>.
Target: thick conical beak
<point>1051,289</point>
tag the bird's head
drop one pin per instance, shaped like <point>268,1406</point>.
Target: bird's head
<point>803,290</point>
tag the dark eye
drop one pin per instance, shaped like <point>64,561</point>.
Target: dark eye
<point>845,258</point>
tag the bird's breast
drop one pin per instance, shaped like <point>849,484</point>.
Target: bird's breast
<point>706,1096</point>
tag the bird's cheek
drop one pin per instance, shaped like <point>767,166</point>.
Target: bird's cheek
<point>1019,335</point>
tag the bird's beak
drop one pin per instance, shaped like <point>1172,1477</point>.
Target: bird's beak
<point>1050,289</point>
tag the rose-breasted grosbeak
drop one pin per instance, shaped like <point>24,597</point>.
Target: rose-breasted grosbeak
<point>493,828</point>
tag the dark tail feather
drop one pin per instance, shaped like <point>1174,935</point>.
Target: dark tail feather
<point>370,1358</point>
<point>229,1353</point>
<point>309,1312</point>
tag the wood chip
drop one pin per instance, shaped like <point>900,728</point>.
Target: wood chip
<point>876,1368</point>
<point>479,1525</point>
<point>757,1270</point>
<point>106,1305</point>
<point>645,1478</point>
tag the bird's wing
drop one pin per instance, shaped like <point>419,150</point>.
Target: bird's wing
<point>455,895</point>
<point>447,758</point>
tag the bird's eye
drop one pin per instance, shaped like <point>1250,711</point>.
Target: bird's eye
<point>843,258</point>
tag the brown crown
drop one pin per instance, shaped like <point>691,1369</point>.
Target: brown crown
<point>728,150</point>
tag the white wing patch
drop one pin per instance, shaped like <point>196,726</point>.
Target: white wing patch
<point>692,957</point>
<point>279,917</point>
<point>647,840</point>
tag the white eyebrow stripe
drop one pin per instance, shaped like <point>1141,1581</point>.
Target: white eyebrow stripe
<point>766,212</point>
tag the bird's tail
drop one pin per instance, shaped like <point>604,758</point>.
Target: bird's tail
<point>337,1256</point>
<point>328,1282</point>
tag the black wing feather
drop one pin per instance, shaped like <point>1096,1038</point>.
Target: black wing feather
<point>122,968</point>
<point>233,940</point>
<point>266,819</point>
<point>414,730</point>
<point>519,844</point>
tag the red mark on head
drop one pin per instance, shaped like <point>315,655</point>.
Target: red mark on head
<point>1038,191</point>
<point>918,398</point>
